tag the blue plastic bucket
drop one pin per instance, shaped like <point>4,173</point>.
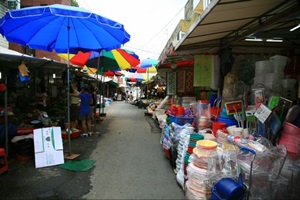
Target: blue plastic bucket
<point>223,114</point>
<point>228,189</point>
<point>228,122</point>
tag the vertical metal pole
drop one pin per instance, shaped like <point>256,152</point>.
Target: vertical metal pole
<point>68,93</point>
<point>5,116</point>
<point>97,74</point>
<point>147,85</point>
<point>102,91</point>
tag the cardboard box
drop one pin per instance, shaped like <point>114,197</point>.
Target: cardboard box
<point>48,147</point>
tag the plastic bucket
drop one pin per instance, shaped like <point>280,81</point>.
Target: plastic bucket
<point>291,129</point>
<point>216,126</point>
<point>167,153</point>
<point>229,122</point>
<point>263,67</point>
<point>223,114</point>
<point>228,189</point>
<point>184,168</point>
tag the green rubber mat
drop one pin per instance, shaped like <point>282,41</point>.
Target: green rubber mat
<point>78,166</point>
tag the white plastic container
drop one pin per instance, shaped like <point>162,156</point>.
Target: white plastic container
<point>278,63</point>
<point>262,67</point>
<point>288,83</point>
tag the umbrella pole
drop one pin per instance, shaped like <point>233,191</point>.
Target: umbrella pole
<point>68,101</point>
<point>97,75</point>
<point>102,95</point>
<point>147,85</point>
<point>70,155</point>
<point>6,117</point>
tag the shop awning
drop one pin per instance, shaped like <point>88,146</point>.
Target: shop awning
<point>12,59</point>
<point>225,23</point>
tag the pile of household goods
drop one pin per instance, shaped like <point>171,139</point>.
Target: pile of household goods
<point>203,164</point>
<point>245,143</point>
<point>169,107</point>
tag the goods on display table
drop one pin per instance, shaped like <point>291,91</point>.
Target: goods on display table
<point>243,137</point>
<point>22,126</point>
<point>201,162</point>
<point>246,146</point>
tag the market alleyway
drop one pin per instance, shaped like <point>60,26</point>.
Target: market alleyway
<point>130,164</point>
<point>130,161</point>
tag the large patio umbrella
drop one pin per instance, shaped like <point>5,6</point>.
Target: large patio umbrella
<point>137,77</point>
<point>150,70</point>
<point>62,28</point>
<point>115,59</point>
<point>147,64</point>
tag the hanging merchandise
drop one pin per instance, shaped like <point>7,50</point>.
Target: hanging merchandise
<point>23,72</point>
<point>23,69</point>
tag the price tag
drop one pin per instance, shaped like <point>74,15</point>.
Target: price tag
<point>234,107</point>
<point>262,113</point>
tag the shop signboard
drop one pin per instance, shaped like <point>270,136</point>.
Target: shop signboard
<point>171,83</point>
<point>48,147</point>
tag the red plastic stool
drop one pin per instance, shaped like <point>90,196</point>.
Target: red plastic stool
<point>3,161</point>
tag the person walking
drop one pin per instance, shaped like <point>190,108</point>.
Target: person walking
<point>85,110</point>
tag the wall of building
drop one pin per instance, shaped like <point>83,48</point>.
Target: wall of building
<point>44,2</point>
<point>3,9</point>
<point>192,11</point>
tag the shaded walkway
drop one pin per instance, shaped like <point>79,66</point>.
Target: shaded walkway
<point>130,162</point>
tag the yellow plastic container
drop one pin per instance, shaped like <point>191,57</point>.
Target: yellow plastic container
<point>206,144</point>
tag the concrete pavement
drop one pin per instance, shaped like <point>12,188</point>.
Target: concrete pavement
<point>130,164</point>
<point>130,161</point>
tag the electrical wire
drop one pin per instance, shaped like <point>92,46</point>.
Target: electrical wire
<point>141,48</point>
<point>163,27</point>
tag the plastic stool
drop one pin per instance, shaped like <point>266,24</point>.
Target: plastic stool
<point>3,161</point>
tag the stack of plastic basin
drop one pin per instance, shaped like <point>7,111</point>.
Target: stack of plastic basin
<point>290,137</point>
<point>227,119</point>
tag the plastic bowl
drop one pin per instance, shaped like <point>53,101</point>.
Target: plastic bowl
<point>230,129</point>
<point>291,128</point>
<point>73,135</point>
<point>207,144</point>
